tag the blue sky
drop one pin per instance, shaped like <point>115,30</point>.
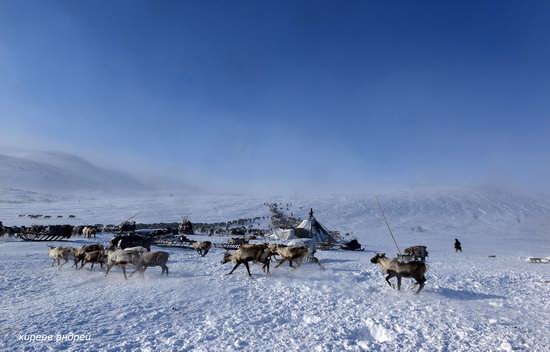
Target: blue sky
<point>283,96</point>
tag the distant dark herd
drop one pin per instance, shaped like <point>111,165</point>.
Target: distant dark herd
<point>41,216</point>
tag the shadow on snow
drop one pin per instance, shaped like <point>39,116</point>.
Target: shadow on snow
<point>466,295</point>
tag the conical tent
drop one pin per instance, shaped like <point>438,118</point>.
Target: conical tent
<point>308,228</point>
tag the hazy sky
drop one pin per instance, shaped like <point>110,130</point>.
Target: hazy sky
<point>339,95</point>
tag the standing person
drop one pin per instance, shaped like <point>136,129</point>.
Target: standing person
<point>458,245</point>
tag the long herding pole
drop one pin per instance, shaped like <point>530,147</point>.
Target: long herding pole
<point>388,225</point>
<point>130,218</point>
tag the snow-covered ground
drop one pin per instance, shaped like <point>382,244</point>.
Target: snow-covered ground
<point>471,302</point>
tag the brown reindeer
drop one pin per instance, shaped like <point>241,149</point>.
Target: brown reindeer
<point>94,257</point>
<point>249,253</point>
<point>290,253</point>
<point>155,259</point>
<point>394,268</point>
<point>201,247</point>
<point>80,253</point>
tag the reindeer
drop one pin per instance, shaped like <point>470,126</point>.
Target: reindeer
<point>132,240</point>
<point>394,268</point>
<point>123,257</point>
<point>202,247</point>
<point>80,253</point>
<point>58,253</point>
<point>89,231</point>
<point>94,257</point>
<point>290,253</point>
<point>249,252</point>
<point>155,259</point>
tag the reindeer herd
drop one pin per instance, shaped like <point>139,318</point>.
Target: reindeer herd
<point>140,259</point>
<point>137,257</point>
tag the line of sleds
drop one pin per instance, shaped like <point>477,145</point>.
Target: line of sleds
<point>39,233</point>
<point>46,233</point>
<point>182,241</point>
<point>158,237</point>
<point>128,236</point>
<point>179,239</point>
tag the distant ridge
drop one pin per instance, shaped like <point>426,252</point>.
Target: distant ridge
<point>450,201</point>
<point>52,172</point>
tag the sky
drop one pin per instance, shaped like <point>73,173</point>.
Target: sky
<point>285,95</point>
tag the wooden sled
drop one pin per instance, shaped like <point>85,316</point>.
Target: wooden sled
<point>42,237</point>
<point>175,242</point>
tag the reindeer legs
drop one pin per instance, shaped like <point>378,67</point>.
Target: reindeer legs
<point>61,265</point>
<point>390,275</point>
<point>247,268</point>
<point>290,264</point>
<point>235,267</point>
<point>108,269</point>
<point>232,270</point>
<point>421,284</point>
<point>265,267</point>
<point>316,260</point>
<point>281,262</point>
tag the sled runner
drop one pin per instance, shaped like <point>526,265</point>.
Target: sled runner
<point>184,242</point>
<point>46,233</point>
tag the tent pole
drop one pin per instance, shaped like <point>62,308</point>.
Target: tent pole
<point>388,225</point>
<point>310,223</point>
<point>311,230</point>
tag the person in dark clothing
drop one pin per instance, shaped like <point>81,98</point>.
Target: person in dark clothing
<point>458,245</point>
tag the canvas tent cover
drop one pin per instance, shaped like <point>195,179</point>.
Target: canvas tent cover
<point>308,228</point>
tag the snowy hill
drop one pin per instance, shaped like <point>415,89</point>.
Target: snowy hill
<point>60,172</point>
<point>452,205</point>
